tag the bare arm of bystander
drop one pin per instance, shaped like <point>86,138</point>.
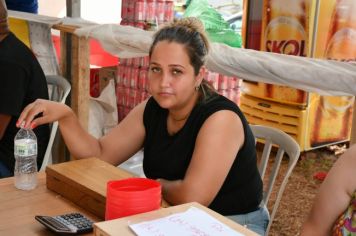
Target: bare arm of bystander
<point>333,197</point>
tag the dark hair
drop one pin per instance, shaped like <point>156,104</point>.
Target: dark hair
<point>190,33</point>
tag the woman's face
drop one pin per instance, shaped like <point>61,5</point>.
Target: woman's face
<point>171,79</point>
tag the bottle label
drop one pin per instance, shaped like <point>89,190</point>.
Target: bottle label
<point>25,148</point>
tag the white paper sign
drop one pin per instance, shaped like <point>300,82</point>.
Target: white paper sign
<point>193,222</point>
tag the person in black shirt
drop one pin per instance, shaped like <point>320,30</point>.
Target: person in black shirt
<point>22,82</point>
<point>196,142</point>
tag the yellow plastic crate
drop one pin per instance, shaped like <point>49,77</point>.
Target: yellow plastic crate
<point>309,129</point>
<point>290,119</point>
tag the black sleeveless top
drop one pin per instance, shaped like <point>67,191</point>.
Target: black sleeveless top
<point>168,157</point>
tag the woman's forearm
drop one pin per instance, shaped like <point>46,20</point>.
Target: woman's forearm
<point>177,192</point>
<point>172,191</point>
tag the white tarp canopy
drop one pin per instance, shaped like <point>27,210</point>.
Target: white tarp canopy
<point>313,75</point>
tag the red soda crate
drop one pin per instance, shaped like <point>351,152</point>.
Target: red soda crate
<point>131,23</point>
<point>129,61</point>
<point>145,95</point>
<point>124,9</point>
<point>160,10</point>
<point>169,11</point>
<point>134,81</point>
<point>146,61</point>
<point>232,82</point>
<point>130,10</point>
<point>137,61</point>
<point>213,79</point>
<point>131,99</point>
<point>236,96</point>
<point>126,97</point>
<point>120,113</point>
<point>138,97</point>
<point>224,92</point>
<point>123,61</point>
<point>124,21</point>
<point>120,94</point>
<point>140,24</point>
<point>151,11</point>
<point>127,76</point>
<point>223,82</point>
<point>120,75</point>
<point>139,14</point>
<point>142,79</point>
<point>126,111</point>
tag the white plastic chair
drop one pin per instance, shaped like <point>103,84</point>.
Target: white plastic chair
<point>58,90</point>
<point>286,145</point>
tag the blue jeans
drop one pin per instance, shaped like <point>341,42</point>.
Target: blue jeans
<point>4,172</point>
<point>256,221</point>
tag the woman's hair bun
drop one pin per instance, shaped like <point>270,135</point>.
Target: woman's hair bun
<point>192,23</point>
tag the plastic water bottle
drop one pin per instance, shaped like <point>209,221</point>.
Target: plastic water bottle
<point>26,159</point>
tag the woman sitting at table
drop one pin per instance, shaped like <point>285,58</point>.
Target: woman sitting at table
<point>196,142</point>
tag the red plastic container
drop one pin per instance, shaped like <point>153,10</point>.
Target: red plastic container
<point>131,196</point>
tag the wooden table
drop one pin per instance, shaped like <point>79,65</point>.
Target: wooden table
<point>18,208</point>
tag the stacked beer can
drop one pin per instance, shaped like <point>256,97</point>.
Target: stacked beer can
<point>132,72</point>
<point>228,86</point>
<point>146,14</point>
<point>131,84</point>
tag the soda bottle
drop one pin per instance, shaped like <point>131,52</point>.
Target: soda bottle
<point>25,151</point>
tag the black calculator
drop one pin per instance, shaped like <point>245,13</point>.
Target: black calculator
<point>72,223</point>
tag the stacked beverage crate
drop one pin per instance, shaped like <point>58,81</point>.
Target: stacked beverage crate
<point>131,84</point>
<point>146,14</point>
<point>132,72</point>
<point>228,86</point>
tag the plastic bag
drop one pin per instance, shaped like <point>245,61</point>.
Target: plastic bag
<point>218,30</point>
<point>103,111</point>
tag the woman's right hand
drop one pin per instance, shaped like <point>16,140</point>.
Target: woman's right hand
<point>51,112</point>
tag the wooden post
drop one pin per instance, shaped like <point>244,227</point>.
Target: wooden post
<point>79,74</point>
<point>80,79</point>
<point>63,53</point>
